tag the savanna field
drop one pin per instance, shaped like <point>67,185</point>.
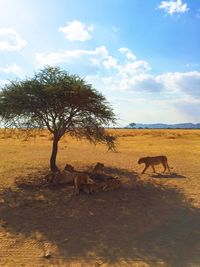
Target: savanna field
<point>150,220</point>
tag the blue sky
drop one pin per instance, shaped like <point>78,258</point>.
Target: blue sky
<point>143,56</point>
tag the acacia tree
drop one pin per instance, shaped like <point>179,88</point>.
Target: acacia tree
<point>60,102</point>
<point>132,124</point>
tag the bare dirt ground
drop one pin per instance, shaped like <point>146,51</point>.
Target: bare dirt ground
<point>151,220</point>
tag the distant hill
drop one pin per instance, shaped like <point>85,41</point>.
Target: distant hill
<point>164,126</point>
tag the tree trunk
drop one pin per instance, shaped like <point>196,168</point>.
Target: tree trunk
<point>53,165</point>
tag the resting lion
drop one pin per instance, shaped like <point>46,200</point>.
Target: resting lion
<point>152,161</point>
<point>81,179</point>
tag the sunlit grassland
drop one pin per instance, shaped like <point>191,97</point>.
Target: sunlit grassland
<point>20,155</point>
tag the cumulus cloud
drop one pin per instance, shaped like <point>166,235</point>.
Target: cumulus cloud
<point>110,62</point>
<point>174,84</point>
<point>126,51</point>
<point>132,77</point>
<point>172,7</point>
<point>185,82</point>
<point>126,73</point>
<point>139,83</point>
<point>77,31</point>
<point>94,57</point>
<point>133,68</point>
<point>10,40</point>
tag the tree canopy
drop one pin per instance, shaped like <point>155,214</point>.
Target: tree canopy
<point>132,124</point>
<point>62,103</point>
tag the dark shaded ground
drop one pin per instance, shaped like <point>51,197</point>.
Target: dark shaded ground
<point>140,221</point>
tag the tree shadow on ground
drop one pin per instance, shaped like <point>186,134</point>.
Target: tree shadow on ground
<point>144,221</point>
<point>168,175</point>
<point>120,172</point>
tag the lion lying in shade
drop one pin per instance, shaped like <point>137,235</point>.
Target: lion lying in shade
<point>93,181</point>
<point>80,179</point>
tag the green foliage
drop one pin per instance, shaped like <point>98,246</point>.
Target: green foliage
<point>57,100</point>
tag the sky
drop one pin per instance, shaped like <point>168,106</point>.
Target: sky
<point>143,55</point>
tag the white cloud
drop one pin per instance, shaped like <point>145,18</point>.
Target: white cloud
<point>12,69</point>
<point>126,51</point>
<point>125,74</point>
<point>133,68</point>
<point>92,56</point>
<point>10,40</point>
<point>185,82</point>
<point>77,31</point>
<point>172,7</point>
<point>110,62</point>
<point>172,84</point>
<point>132,78</point>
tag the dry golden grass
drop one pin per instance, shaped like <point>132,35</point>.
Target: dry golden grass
<point>153,220</point>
